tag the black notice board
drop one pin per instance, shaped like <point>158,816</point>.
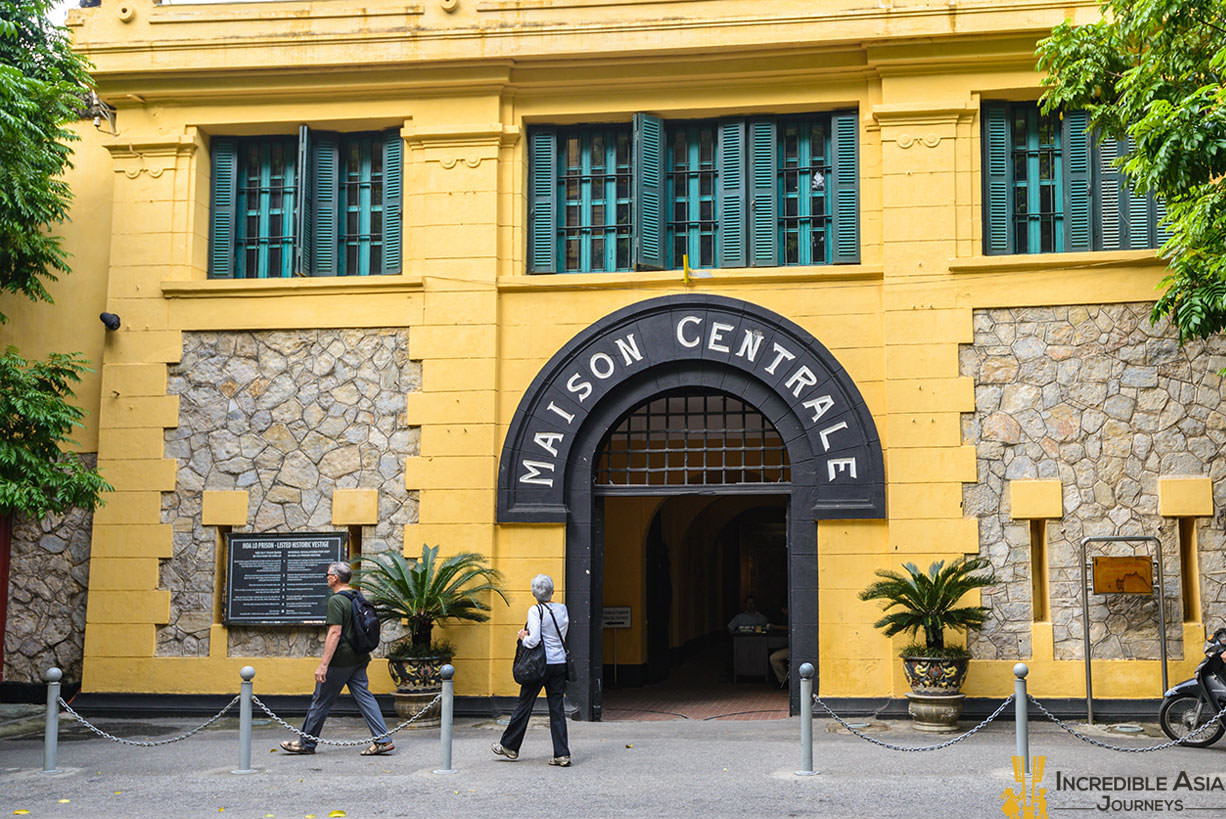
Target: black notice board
<point>279,579</point>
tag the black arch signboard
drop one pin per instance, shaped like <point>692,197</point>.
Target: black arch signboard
<point>688,341</point>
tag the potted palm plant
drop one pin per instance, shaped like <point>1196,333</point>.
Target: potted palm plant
<point>929,601</point>
<point>418,594</point>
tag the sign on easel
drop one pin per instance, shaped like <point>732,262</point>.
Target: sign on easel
<point>616,617</point>
<point>1123,575</point>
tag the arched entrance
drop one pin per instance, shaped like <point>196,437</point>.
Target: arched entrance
<point>692,345</point>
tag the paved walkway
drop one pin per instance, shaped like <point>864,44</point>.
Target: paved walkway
<point>678,768</point>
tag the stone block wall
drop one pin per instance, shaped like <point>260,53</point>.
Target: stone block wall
<point>48,588</point>
<point>1098,398</point>
<point>287,416</point>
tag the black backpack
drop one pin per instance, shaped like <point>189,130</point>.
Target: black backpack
<point>364,637</point>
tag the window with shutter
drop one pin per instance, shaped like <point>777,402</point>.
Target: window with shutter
<point>319,204</point>
<point>765,192</point>
<point>1050,186</point>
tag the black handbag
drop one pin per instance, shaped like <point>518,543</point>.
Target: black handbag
<point>572,673</point>
<point>529,665</point>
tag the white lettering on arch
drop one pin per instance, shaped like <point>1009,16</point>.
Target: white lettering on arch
<point>834,465</point>
<point>819,406</point>
<point>629,348</point>
<point>750,344</point>
<point>780,354</point>
<point>803,377</point>
<point>828,431</point>
<point>607,368</point>
<point>548,441</point>
<point>718,328</point>
<point>681,338</point>
<point>578,386</point>
<point>533,474</point>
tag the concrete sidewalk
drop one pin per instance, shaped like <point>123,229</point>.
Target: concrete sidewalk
<point>677,768</point>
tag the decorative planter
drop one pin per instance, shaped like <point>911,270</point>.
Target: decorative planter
<point>937,713</point>
<point>418,682</point>
<point>935,675</point>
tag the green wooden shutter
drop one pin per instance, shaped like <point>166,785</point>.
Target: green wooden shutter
<point>647,222</point>
<point>1112,203</point>
<point>997,227</point>
<point>763,197</point>
<point>1078,216</point>
<point>1137,209</point>
<point>731,192</point>
<point>303,206</point>
<point>393,196</point>
<point>845,193</point>
<point>325,184</point>
<point>1162,233</point>
<point>222,208</point>
<point>542,201</point>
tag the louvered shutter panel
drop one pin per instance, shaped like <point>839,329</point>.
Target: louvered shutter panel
<point>1137,207</point>
<point>393,197</point>
<point>845,216</point>
<point>303,206</point>
<point>997,230</point>
<point>731,171</point>
<point>1162,233</point>
<point>1111,201</point>
<point>222,208</point>
<point>542,202</point>
<point>1078,214</point>
<point>647,225</point>
<point>325,183</point>
<point>763,197</point>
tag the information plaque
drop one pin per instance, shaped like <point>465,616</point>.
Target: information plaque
<point>279,579</point>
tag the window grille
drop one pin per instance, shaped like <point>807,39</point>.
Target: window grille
<point>692,438</point>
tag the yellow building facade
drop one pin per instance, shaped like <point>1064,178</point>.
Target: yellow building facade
<point>744,375</point>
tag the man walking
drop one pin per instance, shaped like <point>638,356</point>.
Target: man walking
<point>341,666</point>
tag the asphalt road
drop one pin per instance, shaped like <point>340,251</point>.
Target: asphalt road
<point>677,768</point>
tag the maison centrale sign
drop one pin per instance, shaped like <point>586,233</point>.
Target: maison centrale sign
<point>685,339</point>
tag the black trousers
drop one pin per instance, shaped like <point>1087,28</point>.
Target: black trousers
<point>555,688</point>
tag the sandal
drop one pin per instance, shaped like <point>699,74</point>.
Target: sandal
<point>378,748</point>
<point>293,746</point>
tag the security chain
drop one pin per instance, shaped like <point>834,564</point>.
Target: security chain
<point>937,747</point>
<point>345,742</point>
<point>138,743</point>
<point>1121,749</point>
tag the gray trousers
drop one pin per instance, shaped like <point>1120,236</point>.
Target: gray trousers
<point>326,693</point>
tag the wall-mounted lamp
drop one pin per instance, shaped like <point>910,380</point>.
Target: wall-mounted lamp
<point>109,320</point>
<point>101,111</point>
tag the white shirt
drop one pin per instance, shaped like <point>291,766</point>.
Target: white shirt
<point>554,652</point>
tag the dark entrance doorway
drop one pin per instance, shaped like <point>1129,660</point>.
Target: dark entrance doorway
<point>701,556</point>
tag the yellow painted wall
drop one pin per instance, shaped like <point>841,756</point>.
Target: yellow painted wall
<point>463,86</point>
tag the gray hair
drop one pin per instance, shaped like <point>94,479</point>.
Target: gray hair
<point>342,570</point>
<point>542,587</point>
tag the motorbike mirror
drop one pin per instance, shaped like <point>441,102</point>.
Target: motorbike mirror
<point>1219,636</point>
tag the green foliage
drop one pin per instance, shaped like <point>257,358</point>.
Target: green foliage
<point>36,476</point>
<point>929,601</point>
<point>42,83</point>
<point>923,650</point>
<point>427,589</point>
<point>1153,70</point>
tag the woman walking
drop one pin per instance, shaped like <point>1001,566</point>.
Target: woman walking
<point>546,621</point>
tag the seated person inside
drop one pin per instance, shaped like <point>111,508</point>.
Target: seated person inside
<point>750,620</point>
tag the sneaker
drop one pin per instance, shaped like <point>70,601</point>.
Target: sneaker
<point>507,752</point>
<point>560,761</point>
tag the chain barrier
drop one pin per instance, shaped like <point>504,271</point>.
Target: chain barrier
<point>345,742</point>
<point>1142,750</point>
<point>139,743</point>
<point>915,748</point>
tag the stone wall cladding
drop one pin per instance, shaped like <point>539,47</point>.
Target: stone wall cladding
<point>287,416</point>
<point>1102,400</point>
<point>48,587</point>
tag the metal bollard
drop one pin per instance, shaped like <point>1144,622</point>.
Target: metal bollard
<point>806,671</point>
<point>1021,711</point>
<point>51,734</point>
<point>244,721</point>
<point>447,672</point>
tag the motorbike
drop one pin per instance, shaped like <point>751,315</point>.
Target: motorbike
<point>1190,704</point>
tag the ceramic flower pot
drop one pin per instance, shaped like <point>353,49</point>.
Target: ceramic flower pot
<point>935,675</point>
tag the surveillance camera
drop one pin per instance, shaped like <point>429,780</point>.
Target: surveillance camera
<point>109,320</point>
